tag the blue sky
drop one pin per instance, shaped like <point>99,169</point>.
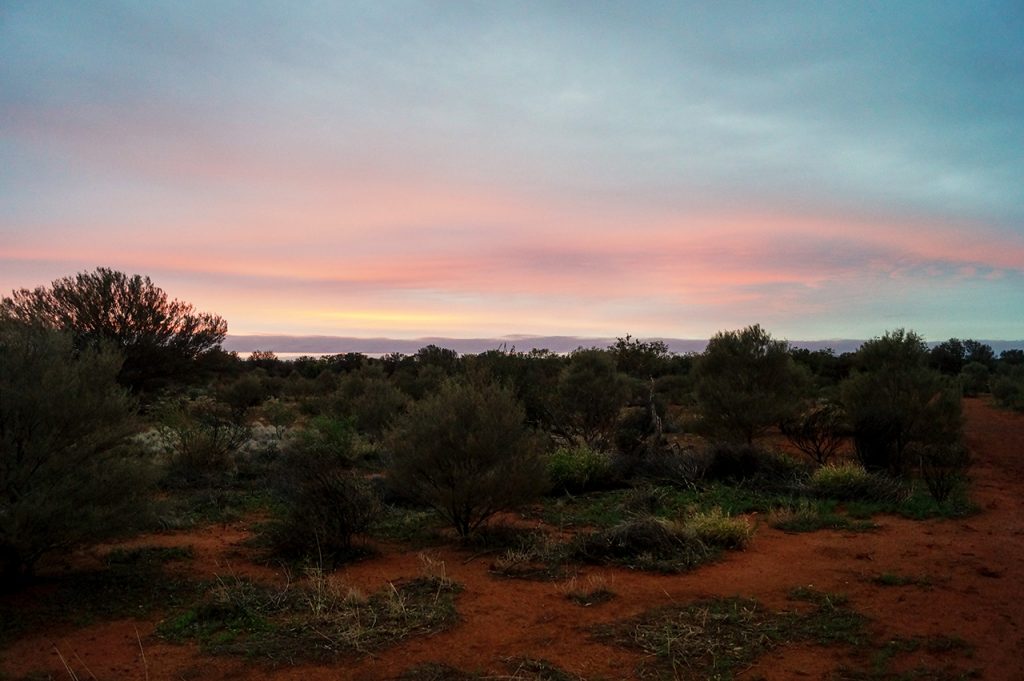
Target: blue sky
<point>438,168</point>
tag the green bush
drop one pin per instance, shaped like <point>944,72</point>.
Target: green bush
<point>66,475</point>
<point>943,467</point>
<point>1008,389</point>
<point>731,462</point>
<point>203,436</point>
<point>818,431</point>
<point>579,468</point>
<point>718,529</point>
<point>646,543</point>
<point>466,452</point>
<point>851,482</point>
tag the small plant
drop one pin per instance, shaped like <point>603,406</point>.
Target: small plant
<point>646,543</point>
<point>809,516</point>
<point>851,482</point>
<point>943,467</point>
<point>203,435</point>
<point>577,468</point>
<point>818,432</point>
<point>717,529</point>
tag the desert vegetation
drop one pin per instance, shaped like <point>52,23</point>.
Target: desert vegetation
<point>120,414</point>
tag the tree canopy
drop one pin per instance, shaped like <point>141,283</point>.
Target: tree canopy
<point>159,337</point>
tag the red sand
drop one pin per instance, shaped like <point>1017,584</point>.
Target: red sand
<point>975,568</point>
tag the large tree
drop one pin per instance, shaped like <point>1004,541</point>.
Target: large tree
<point>159,337</point>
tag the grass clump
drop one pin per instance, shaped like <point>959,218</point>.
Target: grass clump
<point>716,638</point>
<point>578,468</point>
<point>645,543</point>
<point>718,529</point>
<point>851,482</point>
<point>312,621</point>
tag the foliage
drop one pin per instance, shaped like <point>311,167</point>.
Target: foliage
<point>746,382</point>
<point>323,507</point>
<point>731,462</point>
<point>894,400</point>
<point>851,482</point>
<point>466,452</point>
<point>373,401</point>
<point>158,337</point>
<point>66,475</point>
<point>579,468</point>
<point>591,393</point>
<point>818,431</point>
<point>974,379</point>
<point>203,435</point>
<point>640,359</point>
<point>943,467</point>
<point>720,530</point>
<point>1008,388</point>
<point>646,543</point>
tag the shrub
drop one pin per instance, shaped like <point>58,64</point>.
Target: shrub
<point>974,379</point>
<point>1008,389</point>
<point>731,462</point>
<point>646,543</point>
<point>851,482</point>
<point>895,400</point>
<point>716,528</point>
<point>66,475</point>
<point>202,435</point>
<point>324,508</point>
<point>746,382</point>
<point>466,452</point>
<point>575,469</point>
<point>818,431</point>
<point>943,467</point>
<point>591,393</point>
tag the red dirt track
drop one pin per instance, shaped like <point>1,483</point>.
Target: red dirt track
<point>974,570</point>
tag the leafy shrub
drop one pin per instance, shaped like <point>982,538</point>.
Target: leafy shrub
<point>577,468</point>
<point>943,467</point>
<point>324,508</point>
<point>590,395</point>
<point>203,435</point>
<point>1008,389</point>
<point>466,452</point>
<point>894,400</point>
<point>66,474</point>
<point>851,482</point>
<point>974,379</point>
<point>746,382</point>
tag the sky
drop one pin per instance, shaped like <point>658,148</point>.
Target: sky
<point>468,169</point>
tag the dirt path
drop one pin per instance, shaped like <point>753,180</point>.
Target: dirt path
<point>973,571</point>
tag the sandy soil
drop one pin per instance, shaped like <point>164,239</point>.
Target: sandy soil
<point>975,570</point>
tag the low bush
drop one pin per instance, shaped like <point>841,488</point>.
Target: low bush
<point>818,432</point>
<point>646,543</point>
<point>943,468</point>
<point>851,482</point>
<point>716,528</point>
<point>202,436</point>
<point>1008,389</point>
<point>578,468</point>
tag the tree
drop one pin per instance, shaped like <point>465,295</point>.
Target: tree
<point>640,359</point>
<point>589,399</point>
<point>746,382</point>
<point>893,400</point>
<point>465,452</point>
<point>65,476</point>
<point>159,337</point>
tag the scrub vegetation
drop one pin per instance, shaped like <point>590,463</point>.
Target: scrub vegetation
<point>119,413</point>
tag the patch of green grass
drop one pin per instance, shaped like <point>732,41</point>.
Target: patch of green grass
<point>593,590</point>
<point>716,638</point>
<point>644,543</point>
<point>184,509</point>
<point>311,621</point>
